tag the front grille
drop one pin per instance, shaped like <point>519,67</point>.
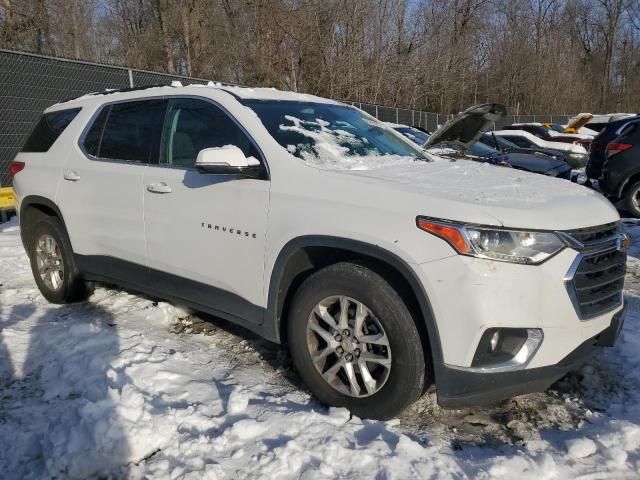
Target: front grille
<point>597,283</point>
<point>594,234</point>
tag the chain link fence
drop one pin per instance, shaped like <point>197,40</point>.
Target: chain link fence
<point>29,83</point>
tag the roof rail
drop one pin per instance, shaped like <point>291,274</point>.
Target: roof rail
<point>121,90</point>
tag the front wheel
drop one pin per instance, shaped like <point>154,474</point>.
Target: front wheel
<point>632,200</point>
<point>354,342</point>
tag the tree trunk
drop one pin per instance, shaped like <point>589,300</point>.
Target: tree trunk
<point>161,12</point>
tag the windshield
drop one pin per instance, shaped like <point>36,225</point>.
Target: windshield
<point>413,134</point>
<point>333,135</point>
<point>488,139</point>
<point>557,128</point>
<point>481,150</point>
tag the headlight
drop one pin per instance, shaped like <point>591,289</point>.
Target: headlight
<point>515,246</point>
<point>577,155</point>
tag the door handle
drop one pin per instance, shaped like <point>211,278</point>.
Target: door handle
<point>159,188</point>
<point>72,176</point>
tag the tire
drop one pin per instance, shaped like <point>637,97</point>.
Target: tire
<point>632,200</point>
<point>399,366</point>
<point>48,241</point>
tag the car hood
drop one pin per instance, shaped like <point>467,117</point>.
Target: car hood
<point>578,122</point>
<point>473,192</point>
<point>535,163</point>
<point>540,152</point>
<point>466,128</point>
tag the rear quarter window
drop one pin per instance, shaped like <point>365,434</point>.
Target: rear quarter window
<point>48,129</point>
<point>91,142</point>
<point>628,129</point>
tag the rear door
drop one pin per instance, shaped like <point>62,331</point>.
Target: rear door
<point>205,233</point>
<point>101,194</point>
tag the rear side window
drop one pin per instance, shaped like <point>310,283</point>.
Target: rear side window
<point>131,131</point>
<point>48,129</point>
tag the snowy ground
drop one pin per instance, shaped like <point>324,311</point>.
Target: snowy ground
<point>124,386</point>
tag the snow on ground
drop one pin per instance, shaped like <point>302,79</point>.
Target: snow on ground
<point>125,386</point>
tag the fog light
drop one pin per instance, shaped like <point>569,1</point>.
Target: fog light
<point>494,341</point>
<point>506,348</point>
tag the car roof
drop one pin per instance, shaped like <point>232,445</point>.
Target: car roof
<point>177,89</point>
<point>519,133</point>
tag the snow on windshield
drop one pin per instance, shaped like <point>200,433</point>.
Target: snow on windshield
<point>334,146</point>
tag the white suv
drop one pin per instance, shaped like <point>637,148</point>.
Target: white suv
<point>383,268</point>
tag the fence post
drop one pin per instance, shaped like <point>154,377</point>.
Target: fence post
<point>376,111</point>
<point>397,117</point>
<point>413,118</point>
<point>131,78</point>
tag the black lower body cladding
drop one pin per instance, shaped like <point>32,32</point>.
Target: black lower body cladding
<point>458,388</point>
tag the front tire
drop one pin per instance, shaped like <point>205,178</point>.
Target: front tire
<point>632,200</point>
<point>354,342</point>
<point>52,262</point>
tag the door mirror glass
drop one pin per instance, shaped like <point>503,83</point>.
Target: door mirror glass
<point>224,160</point>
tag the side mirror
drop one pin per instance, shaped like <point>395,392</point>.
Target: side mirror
<point>227,160</point>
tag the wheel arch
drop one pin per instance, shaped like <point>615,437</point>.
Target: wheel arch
<point>36,203</point>
<point>302,256</point>
<point>628,182</point>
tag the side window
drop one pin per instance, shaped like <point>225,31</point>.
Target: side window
<point>132,131</point>
<point>48,129</point>
<point>91,142</point>
<point>520,141</point>
<point>193,125</point>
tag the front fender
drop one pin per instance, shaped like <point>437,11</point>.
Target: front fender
<point>278,284</point>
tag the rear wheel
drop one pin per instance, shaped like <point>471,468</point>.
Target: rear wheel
<point>52,262</point>
<point>354,342</point>
<point>632,200</point>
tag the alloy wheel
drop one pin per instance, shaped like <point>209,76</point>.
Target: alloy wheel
<point>348,346</point>
<point>49,262</point>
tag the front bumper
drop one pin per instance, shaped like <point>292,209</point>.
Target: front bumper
<point>457,388</point>
<point>470,295</point>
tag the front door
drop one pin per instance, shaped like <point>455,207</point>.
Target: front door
<point>205,234</point>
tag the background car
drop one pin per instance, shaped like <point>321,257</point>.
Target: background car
<point>551,135</point>
<point>577,123</point>
<point>574,155</point>
<point>416,135</point>
<point>505,146</point>
<point>598,122</point>
<point>620,178</point>
<point>527,162</point>
<point>449,141</point>
<point>598,152</point>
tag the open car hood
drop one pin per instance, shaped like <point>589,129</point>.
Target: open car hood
<point>466,128</point>
<point>578,122</point>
